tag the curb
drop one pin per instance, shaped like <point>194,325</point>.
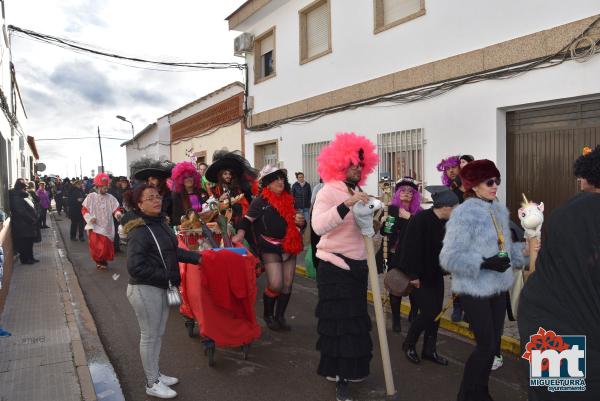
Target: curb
<point>71,295</point>
<point>508,344</point>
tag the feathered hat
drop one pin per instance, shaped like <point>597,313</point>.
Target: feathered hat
<point>233,161</point>
<point>345,150</point>
<point>182,171</point>
<point>145,167</point>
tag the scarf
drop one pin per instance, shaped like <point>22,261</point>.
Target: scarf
<point>284,204</point>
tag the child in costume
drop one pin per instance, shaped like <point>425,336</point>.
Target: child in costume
<point>98,210</point>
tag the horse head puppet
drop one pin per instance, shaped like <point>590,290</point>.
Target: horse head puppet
<point>363,215</point>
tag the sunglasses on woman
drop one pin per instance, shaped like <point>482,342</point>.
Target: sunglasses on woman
<point>492,181</point>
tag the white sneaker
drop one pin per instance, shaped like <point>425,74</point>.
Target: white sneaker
<point>160,390</point>
<point>498,362</point>
<point>167,380</point>
<point>334,379</point>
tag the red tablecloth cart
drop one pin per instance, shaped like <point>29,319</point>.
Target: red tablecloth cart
<point>219,294</point>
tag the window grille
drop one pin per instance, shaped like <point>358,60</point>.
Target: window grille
<point>310,152</point>
<point>401,154</point>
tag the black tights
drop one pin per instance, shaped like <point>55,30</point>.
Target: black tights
<point>486,317</point>
<point>280,270</point>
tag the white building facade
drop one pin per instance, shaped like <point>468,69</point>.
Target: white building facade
<point>17,150</point>
<point>327,66</point>
<point>152,142</point>
<point>208,124</point>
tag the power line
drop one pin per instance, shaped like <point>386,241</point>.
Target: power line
<point>80,47</point>
<point>81,137</point>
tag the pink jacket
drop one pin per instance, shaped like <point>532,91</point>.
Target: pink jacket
<point>341,236</point>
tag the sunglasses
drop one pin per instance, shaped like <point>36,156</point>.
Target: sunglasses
<point>492,181</point>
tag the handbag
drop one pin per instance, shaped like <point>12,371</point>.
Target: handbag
<point>397,283</point>
<point>173,295</point>
<point>515,293</point>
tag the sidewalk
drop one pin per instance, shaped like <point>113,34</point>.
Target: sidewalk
<point>44,359</point>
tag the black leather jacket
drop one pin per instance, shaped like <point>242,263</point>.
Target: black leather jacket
<point>143,259</point>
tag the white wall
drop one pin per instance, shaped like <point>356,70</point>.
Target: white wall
<point>448,28</point>
<point>228,136</point>
<point>469,119</point>
<point>153,144</point>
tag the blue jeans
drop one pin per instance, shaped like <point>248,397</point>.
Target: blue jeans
<point>305,213</point>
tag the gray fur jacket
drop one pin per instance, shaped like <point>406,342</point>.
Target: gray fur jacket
<point>470,237</point>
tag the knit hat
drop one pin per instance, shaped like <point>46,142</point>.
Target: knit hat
<point>478,171</point>
<point>442,196</point>
<point>101,180</point>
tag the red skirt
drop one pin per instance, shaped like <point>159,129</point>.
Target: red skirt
<point>101,247</point>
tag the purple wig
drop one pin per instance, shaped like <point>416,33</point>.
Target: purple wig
<point>452,161</point>
<point>415,203</point>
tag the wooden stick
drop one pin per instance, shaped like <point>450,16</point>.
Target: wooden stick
<point>533,253</point>
<point>379,317</point>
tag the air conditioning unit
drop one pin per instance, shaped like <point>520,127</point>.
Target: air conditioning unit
<point>243,44</point>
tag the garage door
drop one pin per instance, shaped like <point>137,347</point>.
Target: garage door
<point>542,144</point>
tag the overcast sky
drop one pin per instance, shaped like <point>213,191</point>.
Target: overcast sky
<point>68,95</point>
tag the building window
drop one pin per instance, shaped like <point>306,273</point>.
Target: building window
<point>265,153</point>
<point>401,155</point>
<point>390,13</point>
<point>310,152</point>
<point>315,31</point>
<point>264,56</point>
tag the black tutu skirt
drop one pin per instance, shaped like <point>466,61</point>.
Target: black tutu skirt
<point>344,324</point>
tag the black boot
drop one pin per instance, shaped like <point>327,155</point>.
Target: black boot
<point>280,307</point>
<point>269,306</point>
<point>395,306</point>
<point>411,353</point>
<point>430,353</point>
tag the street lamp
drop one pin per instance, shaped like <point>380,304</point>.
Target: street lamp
<point>124,119</point>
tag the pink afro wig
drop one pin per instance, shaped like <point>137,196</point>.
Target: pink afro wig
<point>451,161</point>
<point>343,152</point>
<point>182,171</point>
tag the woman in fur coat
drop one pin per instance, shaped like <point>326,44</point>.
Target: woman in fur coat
<point>479,254</point>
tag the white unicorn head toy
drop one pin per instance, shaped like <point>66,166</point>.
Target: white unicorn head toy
<point>532,216</point>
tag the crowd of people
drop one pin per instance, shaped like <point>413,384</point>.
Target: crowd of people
<point>466,233</point>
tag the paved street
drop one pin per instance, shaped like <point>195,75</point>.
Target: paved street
<point>279,363</point>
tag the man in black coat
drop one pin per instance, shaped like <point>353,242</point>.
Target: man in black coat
<point>24,222</point>
<point>419,259</point>
<point>76,197</point>
<point>302,194</point>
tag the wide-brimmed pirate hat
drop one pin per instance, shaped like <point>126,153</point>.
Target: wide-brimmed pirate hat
<point>269,172</point>
<point>232,161</point>
<point>145,168</point>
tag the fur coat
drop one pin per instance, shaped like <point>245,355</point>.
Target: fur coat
<point>470,237</point>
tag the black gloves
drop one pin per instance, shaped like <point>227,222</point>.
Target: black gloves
<point>496,263</point>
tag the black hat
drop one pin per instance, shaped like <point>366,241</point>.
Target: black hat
<point>146,167</point>
<point>407,182</point>
<point>226,160</point>
<point>442,196</point>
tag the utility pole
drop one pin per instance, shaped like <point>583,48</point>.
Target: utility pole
<point>101,157</point>
<point>80,169</point>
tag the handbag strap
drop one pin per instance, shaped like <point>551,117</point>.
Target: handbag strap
<point>501,242</point>
<point>159,251</point>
